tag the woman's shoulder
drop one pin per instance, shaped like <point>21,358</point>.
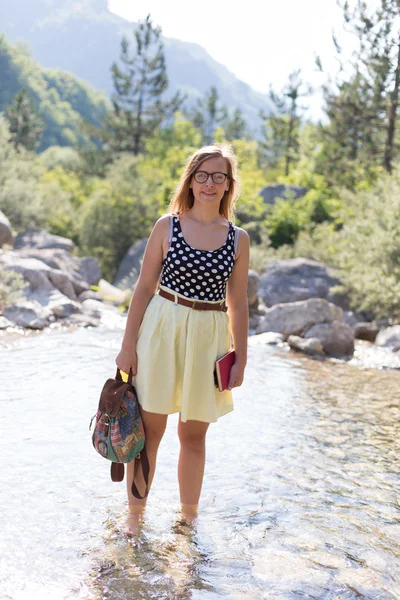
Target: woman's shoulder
<point>161,226</point>
<point>242,239</point>
<point>166,218</point>
<point>239,230</point>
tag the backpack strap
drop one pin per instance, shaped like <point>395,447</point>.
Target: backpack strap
<point>143,462</point>
<point>118,470</point>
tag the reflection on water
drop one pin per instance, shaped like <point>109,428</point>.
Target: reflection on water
<point>300,498</point>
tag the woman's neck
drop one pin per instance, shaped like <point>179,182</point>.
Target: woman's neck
<point>205,216</point>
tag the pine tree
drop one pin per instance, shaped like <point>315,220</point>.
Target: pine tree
<point>26,126</point>
<point>363,110</point>
<point>140,82</point>
<point>208,113</point>
<point>281,126</point>
<point>235,127</point>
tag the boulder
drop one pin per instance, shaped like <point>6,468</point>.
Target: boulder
<point>252,290</point>
<point>27,314</point>
<point>308,346</point>
<point>90,294</point>
<point>295,317</point>
<point>61,306</point>
<point>351,318</point>
<point>92,308</point>
<point>269,337</point>
<point>389,338</point>
<point>111,293</point>
<point>34,271</point>
<point>271,193</point>
<point>337,338</point>
<point>109,315</point>
<point>89,269</point>
<point>38,275</point>
<point>63,283</point>
<point>254,321</point>
<point>366,331</point>
<point>60,260</point>
<point>42,239</point>
<point>6,236</point>
<point>5,323</point>
<point>298,279</point>
<point>82,320</point>
<point>129,269</point>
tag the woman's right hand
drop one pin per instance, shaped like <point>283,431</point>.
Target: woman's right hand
<point>127,359</point>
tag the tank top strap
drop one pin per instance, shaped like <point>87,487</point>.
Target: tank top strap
<point>171,225</point>
<point>236,237</point>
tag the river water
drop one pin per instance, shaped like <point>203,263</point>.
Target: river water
<point>300,499</point>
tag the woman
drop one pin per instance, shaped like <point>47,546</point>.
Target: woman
<point>177,324</point>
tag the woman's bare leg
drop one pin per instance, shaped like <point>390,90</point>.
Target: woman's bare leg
<point>154,425</point>
<point>192,437</point>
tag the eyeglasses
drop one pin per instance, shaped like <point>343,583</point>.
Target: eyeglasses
<point>202,177</point>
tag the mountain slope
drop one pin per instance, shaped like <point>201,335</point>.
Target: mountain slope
<point>60,98</point>
<point>83,37</point>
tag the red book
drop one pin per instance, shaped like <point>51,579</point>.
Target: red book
<point>223,369</point>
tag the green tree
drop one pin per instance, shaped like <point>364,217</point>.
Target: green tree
<point>9,80</point>
<point>19,175</point>
<point>140,82</point>
<point>367,254</point>
<point>363,108</point>
<point>378,32</point>
<point>350,143</point>
<point>208,113</point>
<point>235,127</point>
<point>26,126</point>
<point>281,127</point>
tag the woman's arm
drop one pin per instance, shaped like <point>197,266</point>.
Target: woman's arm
<point>145,289</point>
<point>238,309</point>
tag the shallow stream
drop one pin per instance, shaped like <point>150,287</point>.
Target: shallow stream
<point>301,496</point>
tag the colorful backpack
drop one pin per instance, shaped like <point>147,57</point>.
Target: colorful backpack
<point>118,432</point>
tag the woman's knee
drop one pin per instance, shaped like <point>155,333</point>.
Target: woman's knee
<point>192,438</point>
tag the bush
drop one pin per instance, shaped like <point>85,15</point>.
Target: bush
<point>65,157</point>
<point>369,250</point>
<point>19,199</point>
<point>12,285</point>
<point>110,224</point>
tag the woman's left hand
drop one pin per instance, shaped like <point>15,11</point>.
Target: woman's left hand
<point>236,376</point>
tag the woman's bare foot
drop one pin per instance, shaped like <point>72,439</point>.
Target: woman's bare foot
<point>134,520</point>
<point>189,512</point>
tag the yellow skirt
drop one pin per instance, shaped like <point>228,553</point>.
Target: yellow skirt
<point>177,348</point>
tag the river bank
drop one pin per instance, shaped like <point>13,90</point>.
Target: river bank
<point>366,354</point>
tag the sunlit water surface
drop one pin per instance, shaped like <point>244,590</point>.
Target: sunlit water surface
<point>300,497</point>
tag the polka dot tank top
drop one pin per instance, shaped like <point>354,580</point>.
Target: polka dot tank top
<point>198,274</point>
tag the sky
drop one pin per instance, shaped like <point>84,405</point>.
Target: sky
<point>260,41</point>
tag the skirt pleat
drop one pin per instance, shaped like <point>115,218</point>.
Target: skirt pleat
<point>177,348</point>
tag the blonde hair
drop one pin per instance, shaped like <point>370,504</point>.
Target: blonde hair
<point>183,198</point>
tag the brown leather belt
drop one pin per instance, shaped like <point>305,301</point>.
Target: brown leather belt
<point>196,304</point>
